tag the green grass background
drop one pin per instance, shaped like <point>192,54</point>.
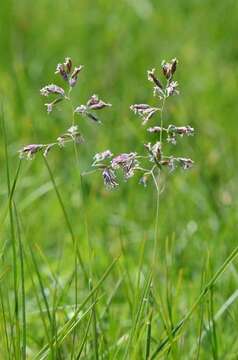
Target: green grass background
<point>118,41</point>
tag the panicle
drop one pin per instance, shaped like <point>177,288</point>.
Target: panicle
<point>72,134</point>
<point>129,162</point>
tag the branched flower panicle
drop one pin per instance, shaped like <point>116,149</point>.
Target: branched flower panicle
<point>59,94</point>
<point>154,158</point>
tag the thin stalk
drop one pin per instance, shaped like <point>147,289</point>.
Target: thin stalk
<point>13,242</point>
<point>94,323</point>
<point>23,352</point>
<point>78,171</point>
<point>158,189</point>
<point>148,335</point>
<point>66,219</point>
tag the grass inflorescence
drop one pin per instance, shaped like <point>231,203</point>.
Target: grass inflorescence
<point>147,270</point>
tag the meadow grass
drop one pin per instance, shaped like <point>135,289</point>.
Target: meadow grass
<point>88,273</point>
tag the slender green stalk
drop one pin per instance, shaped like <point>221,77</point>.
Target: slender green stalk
<point>157,183</point>
<point>22,274</point>
<point>94,323</point>
<point>16,340</point>
<point>78,172</point>
<point>148,335</point>
<point>66,219</point>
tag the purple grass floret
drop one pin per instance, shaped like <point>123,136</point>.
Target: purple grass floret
<point>109,178</point>
<point>127,162</point>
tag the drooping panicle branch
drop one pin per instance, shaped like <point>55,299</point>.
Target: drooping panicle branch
<point>59,94</point>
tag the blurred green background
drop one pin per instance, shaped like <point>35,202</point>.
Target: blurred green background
<point>118,41</point>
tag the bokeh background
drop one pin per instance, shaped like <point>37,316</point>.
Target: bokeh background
<point>118,41</point>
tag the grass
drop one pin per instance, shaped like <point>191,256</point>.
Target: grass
<point>79,274</point>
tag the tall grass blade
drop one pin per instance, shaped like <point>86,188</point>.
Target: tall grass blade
<point>94,323</point>
<point>204,292</point>
<point>84,337</point>
<point>16,333</point>
<point>138,314</point>
<point>70,325</point>
<point>22,276</point>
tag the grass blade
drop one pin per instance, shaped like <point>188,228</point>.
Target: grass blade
<point>70,324</point>
<point>85,337</point>
<point>22,275</point>
<point>204,292</point>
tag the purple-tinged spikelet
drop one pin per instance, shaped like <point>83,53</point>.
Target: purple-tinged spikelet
<point>109,178</point>
<point>30,150</point>
<point>52,89</point>
<point>145,111</point>
<point>127,162</point>
<point>169,68</point>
